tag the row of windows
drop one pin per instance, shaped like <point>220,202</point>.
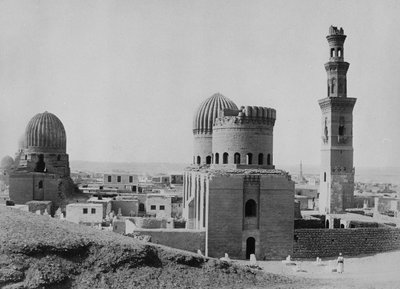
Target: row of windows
<point>236,159</point>
<point>41,156</point>
<point>109,179</point>
<point>154,207</point>
<point>85,210</point>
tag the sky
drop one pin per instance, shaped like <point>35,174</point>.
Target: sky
<point>126,77</point>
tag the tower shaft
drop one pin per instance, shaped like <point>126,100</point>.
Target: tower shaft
<point>337,172</point>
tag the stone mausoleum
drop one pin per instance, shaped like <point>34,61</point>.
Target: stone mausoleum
<point>42,170</point>
<point>337,171</point>
<point>232,190</point>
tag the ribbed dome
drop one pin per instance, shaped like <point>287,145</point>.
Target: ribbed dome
<point>45,133</point>
<point>208,111</point>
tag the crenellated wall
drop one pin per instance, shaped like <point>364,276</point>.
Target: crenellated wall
<point>247,132</point>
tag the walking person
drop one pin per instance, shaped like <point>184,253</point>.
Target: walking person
<point>340,263</point>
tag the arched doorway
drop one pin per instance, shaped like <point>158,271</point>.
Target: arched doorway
<point>327,224</point>
<point>250,247</point>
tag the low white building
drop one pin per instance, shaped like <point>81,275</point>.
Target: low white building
<point>158,205</point>
<point>127,182</point>
<point>84,213</point>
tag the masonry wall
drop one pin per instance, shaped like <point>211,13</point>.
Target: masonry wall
<point>312,243</point>
<point>188,240</point>
<point>25,187</point>
<point>243,139</point>
<point>128,207</point>
<point>276,217</point>
<point>202,146</point>
<point>225,216</point>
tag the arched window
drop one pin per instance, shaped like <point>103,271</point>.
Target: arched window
<point>324,177</point>
<point>141,207</point>
<point>333,85</point>
<point>26,157</point>
<point>260,159</point>
<point>250,209</point>
<point>237,158</point>
<point>40,165</point>
<point>339,52</point>
<point>58,158</point>
<point>269,159</point>
<point>249,158</point>
<point>225,158</point>
<point>198,160</point>
<point>332,52</point>
<point>40,185</point>
<point>217,158</point>
<point>208,160</point>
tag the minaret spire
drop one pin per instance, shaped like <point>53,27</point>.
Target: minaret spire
<point>336,68</point>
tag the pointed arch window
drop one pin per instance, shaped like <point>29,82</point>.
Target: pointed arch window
<point>260,159</point>
<point>237,158</point>
<point>269,159</point>
<point>250,209</point>
<point>225,158</point>
<point>249,158</point>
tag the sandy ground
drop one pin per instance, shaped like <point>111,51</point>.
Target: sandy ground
<point>374,271</point>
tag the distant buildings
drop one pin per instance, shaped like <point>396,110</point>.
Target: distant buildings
<point>128,182</point>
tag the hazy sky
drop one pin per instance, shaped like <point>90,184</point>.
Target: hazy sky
<point>125,77</point>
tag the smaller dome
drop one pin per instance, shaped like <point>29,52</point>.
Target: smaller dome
<point>45,133</point>
<point>208,111</point>
<point>6,162</point>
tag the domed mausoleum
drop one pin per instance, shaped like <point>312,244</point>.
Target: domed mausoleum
<point>232,190</point>
<point>42,165</point>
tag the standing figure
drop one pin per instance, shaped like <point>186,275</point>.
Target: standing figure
<point>340,263</point>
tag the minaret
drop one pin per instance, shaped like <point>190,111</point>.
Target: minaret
<point>337,172</point>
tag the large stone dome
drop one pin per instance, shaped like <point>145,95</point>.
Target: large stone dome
<point>45,133</point>
<point>208,111</point>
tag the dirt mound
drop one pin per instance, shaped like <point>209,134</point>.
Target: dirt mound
<point>40,252</point>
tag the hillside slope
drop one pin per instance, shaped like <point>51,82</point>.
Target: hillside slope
<point>40,252</point>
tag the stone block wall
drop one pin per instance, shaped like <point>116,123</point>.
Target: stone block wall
<point>225,216</point>
<point>312,243</point>
<point>188,240</point>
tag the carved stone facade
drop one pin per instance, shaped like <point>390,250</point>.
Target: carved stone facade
<point>337,171</point>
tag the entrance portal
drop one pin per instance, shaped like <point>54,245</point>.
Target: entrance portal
<point>250,247</point>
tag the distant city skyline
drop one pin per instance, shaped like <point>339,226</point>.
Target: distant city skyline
<point>126,77</point>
